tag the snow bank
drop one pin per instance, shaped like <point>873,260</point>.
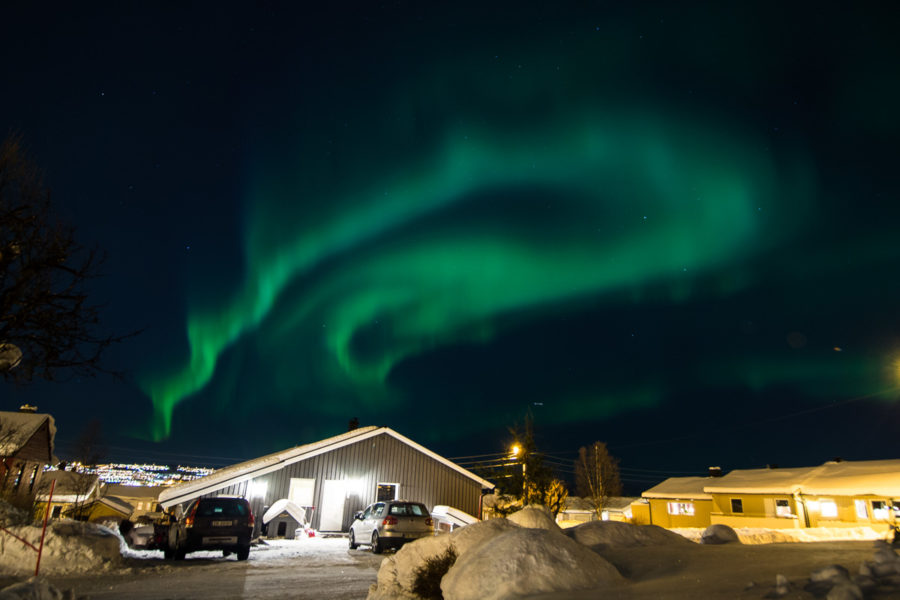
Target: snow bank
<point>526,561</point>
<point>717,533</point>
<point>757,535</point>
<point>535,517</point>
<point>597,534</point>
<point>398,572</point>
<point>34,589</point>
<point>69,547</point>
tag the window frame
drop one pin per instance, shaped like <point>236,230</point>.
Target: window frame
<point>738,504</point>
<point>782,513</point>
<point>383,484</point>
<point>682,509</point>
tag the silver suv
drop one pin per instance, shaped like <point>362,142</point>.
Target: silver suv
<point>390,524</point>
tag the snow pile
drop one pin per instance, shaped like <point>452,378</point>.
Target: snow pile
<point>717,533</point>
<point>601,534</point>
<point>398,572</point>
<point>526,561</point>
<point>526,553</point>
<point>10,515</point>
<point>535,517</point>
<point>69,547</point>
<point>758,535</point>
<point>34,589</point>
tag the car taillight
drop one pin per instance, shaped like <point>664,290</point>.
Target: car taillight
<point>389,521</point>
<point>189,520</point>
<point>429,521</point>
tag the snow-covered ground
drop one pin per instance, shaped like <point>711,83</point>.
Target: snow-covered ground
<point>755,535</point>
<point>525,556</point>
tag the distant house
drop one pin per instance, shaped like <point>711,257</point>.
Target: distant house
<point>26,447</point>
<point>676,502</point>
<point>143,498</point>
<point>326,482</point>
<point>73,493</point>
<point>580,510</point>
<point>834,494</point>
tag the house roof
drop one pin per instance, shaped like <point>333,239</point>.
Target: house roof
<point>760,481</point>
<point>859,478</point>
<point>677,488</point>
<point>70,486</point>
<point>17,428</point>
<point>148,492</point>
<point>278,460</point>
<point>614,503</point>
<point>116,504</point>
<point>842,478</point>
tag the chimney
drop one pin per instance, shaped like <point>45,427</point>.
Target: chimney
<point>772,466</point>
<point>715,471</point>
<point>27,408</point>
<point>353,424</point>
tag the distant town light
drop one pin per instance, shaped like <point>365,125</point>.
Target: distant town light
<point>515,450</point>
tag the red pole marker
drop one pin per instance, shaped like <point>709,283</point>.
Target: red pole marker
<point>37,565</point>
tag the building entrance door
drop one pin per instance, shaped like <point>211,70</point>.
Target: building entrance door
<point>334,492</point>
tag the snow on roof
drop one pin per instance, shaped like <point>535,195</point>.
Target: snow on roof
<point>760,481</point>
<point>116,504</point>
<point>16,428</point>
<point>858,478</point>
<point>677,488</point>
<point>278,460</point>
<point>68,483</point>
<point>844,478</point>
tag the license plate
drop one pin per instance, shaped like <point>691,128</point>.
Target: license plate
<point>223,539</point>
<point>222,523</point>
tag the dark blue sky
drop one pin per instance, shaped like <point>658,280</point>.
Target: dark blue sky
<point>670,228</point>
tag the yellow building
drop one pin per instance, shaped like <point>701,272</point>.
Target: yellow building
<point>676,502</point>
<point>835,494</point>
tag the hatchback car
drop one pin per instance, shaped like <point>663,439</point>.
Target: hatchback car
<point>390,524</point>
<point>222,523</point>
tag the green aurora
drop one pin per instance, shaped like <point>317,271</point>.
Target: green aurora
<point>482,231</point>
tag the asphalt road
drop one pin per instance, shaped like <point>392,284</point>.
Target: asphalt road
<point>314,569</point>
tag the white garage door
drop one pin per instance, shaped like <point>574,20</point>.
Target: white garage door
<point>334,492</point>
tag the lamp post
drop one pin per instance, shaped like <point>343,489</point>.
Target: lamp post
<point>515,451</point>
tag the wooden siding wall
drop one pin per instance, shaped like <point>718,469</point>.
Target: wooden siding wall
<point>379,459</point>
<point>37,448</point>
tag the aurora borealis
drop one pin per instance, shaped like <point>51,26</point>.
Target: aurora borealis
<point>639,223</point>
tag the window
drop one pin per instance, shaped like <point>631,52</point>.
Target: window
<point>56,511</point>
<point>681,508</point>
<point>879,510</point>
<point>782,508</point>
<point>737,505</point>
<point>140,506</point>
<point>386,491</point>
<point>19,477</point>
<point>300,491</point>
<point>408,510</point>
<point>33,479</point>
<point>379,509</point>
<point>828,508</point>
<point>861,509</point>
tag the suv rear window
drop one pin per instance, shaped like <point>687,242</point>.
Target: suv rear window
<point>223,507</point>
<point>417,510</point>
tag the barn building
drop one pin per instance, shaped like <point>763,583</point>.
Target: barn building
<point>323,484</point>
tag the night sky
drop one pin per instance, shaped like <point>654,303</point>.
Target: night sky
<point>672,227</point>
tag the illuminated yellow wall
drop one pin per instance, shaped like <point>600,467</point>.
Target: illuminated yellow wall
<point>658,509</point>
